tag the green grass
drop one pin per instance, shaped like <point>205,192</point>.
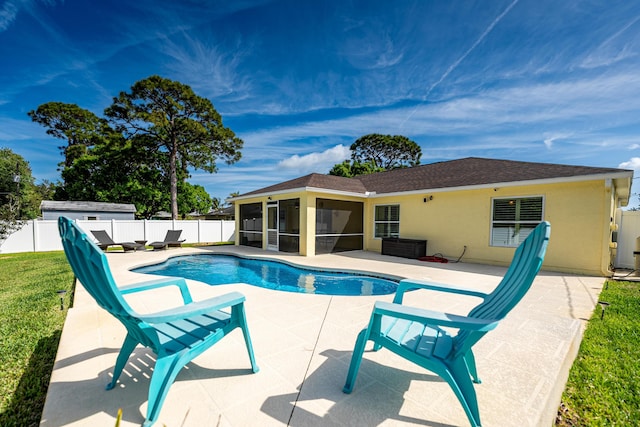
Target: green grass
<point>604,383</point>
<point>30,327</point>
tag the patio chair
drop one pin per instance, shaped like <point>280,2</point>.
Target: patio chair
<point>170,240</point>
<point>176,335</point>
<point>104,241</point>
<point>416,334</point>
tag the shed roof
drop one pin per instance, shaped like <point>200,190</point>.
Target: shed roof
<point>467,172</point>
<point>50,205</point>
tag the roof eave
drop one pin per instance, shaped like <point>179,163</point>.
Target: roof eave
<point>299,190</point>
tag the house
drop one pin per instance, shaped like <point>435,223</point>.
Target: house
<point>224,214</point>
<point>476,207</point>
<point>87,210</point>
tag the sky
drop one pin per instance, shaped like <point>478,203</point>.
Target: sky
<point>299,81</point>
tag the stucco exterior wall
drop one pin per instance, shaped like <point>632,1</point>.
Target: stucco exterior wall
<point>579,214</point>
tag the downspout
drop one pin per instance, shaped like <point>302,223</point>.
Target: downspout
<point>608,247</point>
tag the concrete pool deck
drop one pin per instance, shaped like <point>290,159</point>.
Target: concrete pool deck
<point>303,346</point>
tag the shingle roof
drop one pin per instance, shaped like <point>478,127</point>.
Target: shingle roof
<point>51,205</point>
<point>470,171</point>
<point>315,180</point>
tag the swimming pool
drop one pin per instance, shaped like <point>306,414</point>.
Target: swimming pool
<point>222,269</point>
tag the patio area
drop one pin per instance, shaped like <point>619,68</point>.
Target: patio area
<point>303,346</point>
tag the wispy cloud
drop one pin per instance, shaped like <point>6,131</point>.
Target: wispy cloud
<point>457,62</point>
<point>8,13</point>
<point>211,69</point>
<point>472,48</point>
<point>614,49</point>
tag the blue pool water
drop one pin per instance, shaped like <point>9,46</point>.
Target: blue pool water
<point>223,269</point>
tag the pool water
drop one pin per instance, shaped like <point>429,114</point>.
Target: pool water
<point>224,269</point>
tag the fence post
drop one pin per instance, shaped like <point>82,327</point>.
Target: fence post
<point>36,235</point>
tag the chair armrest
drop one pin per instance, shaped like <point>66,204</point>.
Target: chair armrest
<point>410,284</point>
<point>194,308</point>
<point>434,318</point>
<point>158,283</point>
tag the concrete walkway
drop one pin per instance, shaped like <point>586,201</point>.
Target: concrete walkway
<point>303,346</point>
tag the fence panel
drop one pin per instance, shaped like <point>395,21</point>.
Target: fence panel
<point>628,234</point>
<point>127,230</point>
<point>43,235</point>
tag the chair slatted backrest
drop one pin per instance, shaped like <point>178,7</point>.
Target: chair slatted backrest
<point>172,235</point>
<point>90,266</point>
<point>523,269</point>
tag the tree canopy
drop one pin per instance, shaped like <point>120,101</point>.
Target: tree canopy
<point>79,127</point>
<point>19,197</point>
<point>386,151</point>
<point>183,126</point>
<point>142,151</point>
<point>375,153</point>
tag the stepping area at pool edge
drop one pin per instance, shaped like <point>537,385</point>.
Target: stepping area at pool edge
<point>303,346</point>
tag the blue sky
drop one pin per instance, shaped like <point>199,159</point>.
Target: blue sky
<point>535,80</point>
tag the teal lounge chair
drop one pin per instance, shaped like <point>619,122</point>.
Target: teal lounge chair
<point>417,335</point>
<point>176,335</point>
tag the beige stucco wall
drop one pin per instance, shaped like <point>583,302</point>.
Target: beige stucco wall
<point>579,212</point>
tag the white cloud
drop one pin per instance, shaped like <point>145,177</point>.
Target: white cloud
<point>633,163</point>
<point>316,162</point>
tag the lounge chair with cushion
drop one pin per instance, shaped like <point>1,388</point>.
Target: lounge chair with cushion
<point>171,239</point>
<point>105,241</point>
<point>426,338</point>
<point>176,335</point>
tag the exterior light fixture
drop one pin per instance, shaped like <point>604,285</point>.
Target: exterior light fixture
<point>61,293</point>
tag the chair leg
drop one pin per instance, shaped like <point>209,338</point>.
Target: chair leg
<point>356,359</point>
<point>242,320</point>
<point>127,348</point>
<point>164,373</point>
<point>470,360</point>
<point>458,378</point>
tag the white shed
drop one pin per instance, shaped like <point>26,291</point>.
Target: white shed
<point>87,210</point>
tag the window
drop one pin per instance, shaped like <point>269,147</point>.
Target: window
<point>514,218</point>
<point>387,221</point>
<point>251,225</point>
<point>339,226</point>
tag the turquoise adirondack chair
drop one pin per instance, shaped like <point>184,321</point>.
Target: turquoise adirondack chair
<point>176,335</point>
<point>417,335</point>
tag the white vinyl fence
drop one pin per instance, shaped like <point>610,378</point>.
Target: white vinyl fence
<point>628,238</point>
<point>37,236</point>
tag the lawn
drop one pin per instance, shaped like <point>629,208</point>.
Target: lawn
<point>30,327</point>
<point>604,382</point>
<point>603,387</point>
